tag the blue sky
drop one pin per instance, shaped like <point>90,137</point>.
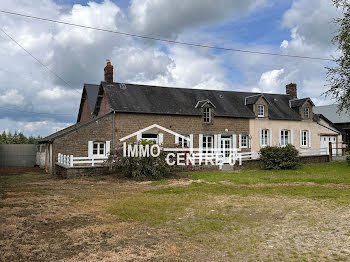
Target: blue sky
<point>300,27</point>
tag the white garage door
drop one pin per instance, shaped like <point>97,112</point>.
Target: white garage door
<point>325,143</point>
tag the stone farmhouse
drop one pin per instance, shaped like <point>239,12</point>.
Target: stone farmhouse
<point>210,118</point>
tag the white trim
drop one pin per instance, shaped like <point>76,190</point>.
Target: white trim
<point>279,137</point>
<point>234,141</point>
<point>90,148</point>
<point>176,140</point>
<point>150,127</point>
<point>108,148</point>
<point>216,145</point>
<point>270,140</point>
<point>291,136</point>
<point>260,136</point>
<point>240,141</point>
<point>263,107</point>
<point>200,141</point>
<point>309,144</point>
<point>160,138</point>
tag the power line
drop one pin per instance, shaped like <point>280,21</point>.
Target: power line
<point>33,112</point>
<point>36,59</point>
<point>42,64</point>
<point>166,40</point>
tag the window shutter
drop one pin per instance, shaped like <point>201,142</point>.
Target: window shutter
<point>291,137</point>
<point>216,145</point>
<point>219,141</point>
<point>191,141</point>
<point>90,147</point>
<point>139,136</point>
<point>240,141</point>
<point>234,141</point>
<point>176,140</point>
<point>279,137</point>
<point>301,137</point>
<point>160,138</point>
<point>260,137</point>
<point>309,138</point>
<point>249,141</point>
<point>200,141</point>
<point>270,142</point>
<point>108,148</point>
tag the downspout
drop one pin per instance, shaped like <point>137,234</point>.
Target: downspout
<point>113,131</point>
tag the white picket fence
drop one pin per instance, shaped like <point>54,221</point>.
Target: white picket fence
<point>71,161</point>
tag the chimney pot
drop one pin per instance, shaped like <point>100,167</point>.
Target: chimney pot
<point>108,72</point>
<point>291,89</point>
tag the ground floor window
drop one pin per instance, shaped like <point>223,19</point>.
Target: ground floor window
<point>150,137</point>
<point>264,137</point>
<point>184,142</point>
<point>304,138</point>
<point>284,137</point>
<point>244,141</point>
<point>99,149</point>
<point>207,144</point>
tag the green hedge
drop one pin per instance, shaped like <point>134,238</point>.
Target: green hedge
<point>273,157</point>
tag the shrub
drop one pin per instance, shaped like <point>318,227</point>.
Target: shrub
<point>140,167</point>
<point>273,157</point>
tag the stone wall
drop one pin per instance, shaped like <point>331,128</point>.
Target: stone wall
<point>74,172</point>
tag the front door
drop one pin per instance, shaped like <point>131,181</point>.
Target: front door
<point>325,143</point>
<point>225,149</point>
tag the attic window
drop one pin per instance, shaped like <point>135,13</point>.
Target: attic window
<point>261,111</point>
<point>122,86</point>
<point>207,115</point>
<point>307,112</point>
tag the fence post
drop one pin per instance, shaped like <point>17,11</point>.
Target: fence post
<point>71,160</point>
<point>330,152</point>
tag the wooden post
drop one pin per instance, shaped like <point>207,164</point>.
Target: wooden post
<point>330,152</point>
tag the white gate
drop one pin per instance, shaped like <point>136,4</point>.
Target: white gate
<point>325,143</point>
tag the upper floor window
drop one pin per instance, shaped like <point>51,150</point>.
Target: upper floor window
<point>285,135</point>
<point>307,112</point>
<point>304,138</point>
<point>99,149</point>
<point>264,137</point>
<point>261,111</point>
<point>207,115</point>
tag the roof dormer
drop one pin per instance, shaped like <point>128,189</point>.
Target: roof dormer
<point>303,107</point>
<point>206,107</point>
<point>259,104</point>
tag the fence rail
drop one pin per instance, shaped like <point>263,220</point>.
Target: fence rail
<point>71,161</point>
<point>313,151</point>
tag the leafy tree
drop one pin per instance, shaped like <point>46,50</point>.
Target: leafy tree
<point>339,75</point>
<point>17,138</point>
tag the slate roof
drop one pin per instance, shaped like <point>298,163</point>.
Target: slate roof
<point>134,98</point>
<point>92,92</point>
<point>331,112</point>
<point>300,102</point>
<point>69,129</point>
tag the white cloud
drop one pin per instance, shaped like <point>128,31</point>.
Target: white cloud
<point>284,44</point>
<point>168,18</point>
<point>11,97</point>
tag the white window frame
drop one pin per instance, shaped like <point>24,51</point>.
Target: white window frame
<point>207,115</point>
<point>244,141</point>
<point>304,138</point>
<point>307,112</point>
<point>155,139</point>
<point>184,142</point>
<point>208,144</point>
<point>285,137</point>
<point>261,113</point>
<point>98,148</point>
<point>264,137</point>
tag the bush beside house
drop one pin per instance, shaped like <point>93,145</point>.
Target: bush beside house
<point>273,157</point>
<point>140,167</point>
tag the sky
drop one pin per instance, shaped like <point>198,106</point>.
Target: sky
<point>36,102</point>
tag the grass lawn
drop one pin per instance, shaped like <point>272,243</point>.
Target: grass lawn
<point>251,215</point>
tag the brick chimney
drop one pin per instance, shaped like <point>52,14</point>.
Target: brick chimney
<point>291,90</point>
<point>109,72</point>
